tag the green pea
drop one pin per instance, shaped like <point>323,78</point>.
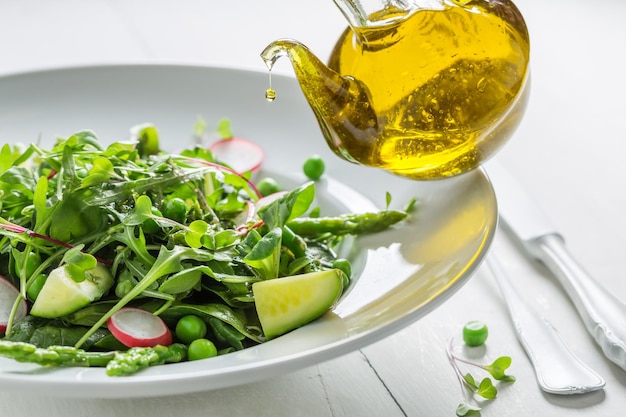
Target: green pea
<point>33,260</point>
<point>175,209</point>
<point>201,349</point>
<point>35,287</point>
<point>190,328</point>
<point>267,186</point>
<point>475,333</point>
<point>314,167</point>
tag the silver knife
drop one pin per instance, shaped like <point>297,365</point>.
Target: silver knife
<point>603,314</point>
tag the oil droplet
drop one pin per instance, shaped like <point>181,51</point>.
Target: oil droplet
<point>270,94</point>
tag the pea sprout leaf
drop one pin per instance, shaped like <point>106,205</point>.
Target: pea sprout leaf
<point>486,389</point>
<point>224,129</point>
<point>465,409</point>
<point>100,172</point>
<point>199,128</point>
<point>141,212</point>
<point>78,263</point>
<point>193,236</point>
<point>148,139</point>
<point>471,382</point>
<point>498,367</point>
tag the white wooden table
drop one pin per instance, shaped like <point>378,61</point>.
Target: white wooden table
<point>569,152</point>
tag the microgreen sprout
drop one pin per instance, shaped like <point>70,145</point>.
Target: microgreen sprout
<point>484,388</point>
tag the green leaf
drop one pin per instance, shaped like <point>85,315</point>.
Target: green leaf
<point>40,202</point>
<point>486,389</point>
<point>265,255</point>
<point>135,239</point>
<point>19,176</point>
<point>498,367</point>
<point>193,236</point>
<point>69,168</point>
<point>469,379</point>
<point>198,152</point>
<point>44,333</point>
<point>86,138</point>
<point>89,315</point>
<point>465,409</point>
<point>291,205</point>
<point>73,219</point>
<point>78,263</point>
<point>148,139</point>
<point>224,129</point>
<point>101,171</point>
<point>6,158</point>
<point>182,281</point>
<point>226,333</point>
<point>199,128</point>
<point>226,238</point>
<point>141,212</point>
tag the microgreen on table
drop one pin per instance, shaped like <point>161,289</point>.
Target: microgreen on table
<point>484,387</point>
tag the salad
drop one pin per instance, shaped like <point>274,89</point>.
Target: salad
<point>125,256</point>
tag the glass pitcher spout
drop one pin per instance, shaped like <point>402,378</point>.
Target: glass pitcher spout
<point>333,98</point>
<point>425,89</point>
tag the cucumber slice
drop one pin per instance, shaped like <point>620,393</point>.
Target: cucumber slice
<point>61,295</point>
<point>284,304</point>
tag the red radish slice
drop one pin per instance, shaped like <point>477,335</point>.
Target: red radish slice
<point>8,295</point>
<point>135,327</point>
<point>240,154</point>
<point>246,216</point>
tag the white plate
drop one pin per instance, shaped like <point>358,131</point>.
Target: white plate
<point>402,274</point>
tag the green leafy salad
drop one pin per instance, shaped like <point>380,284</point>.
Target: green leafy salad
<point>124,256</point>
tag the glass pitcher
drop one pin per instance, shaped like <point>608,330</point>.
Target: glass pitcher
<point>425,89</point>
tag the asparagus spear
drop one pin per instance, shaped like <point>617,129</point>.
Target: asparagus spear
<point>346,224</point>
<point>117,363</point>
<point>136,359</point>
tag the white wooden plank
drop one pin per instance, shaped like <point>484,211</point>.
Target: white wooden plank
<point>353,388</point>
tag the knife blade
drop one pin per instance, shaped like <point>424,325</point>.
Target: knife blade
<point>603,314</point>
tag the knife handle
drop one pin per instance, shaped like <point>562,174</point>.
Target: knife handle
<point>602,313</point>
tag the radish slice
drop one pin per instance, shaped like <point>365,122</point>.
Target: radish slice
<point>8,295</point>
<point>135,327</point>
<point>246,216</point>
<point>240,154</point>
